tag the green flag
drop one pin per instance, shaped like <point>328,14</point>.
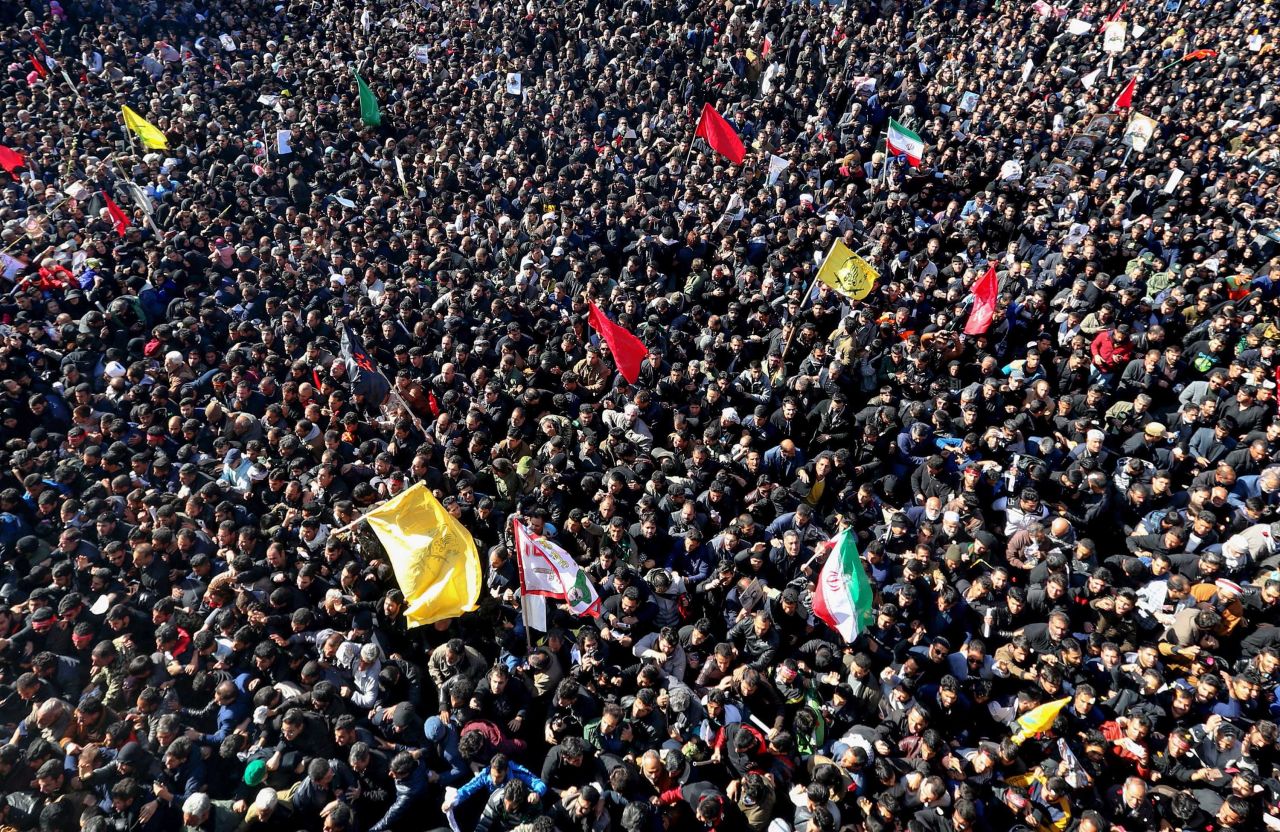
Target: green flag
<point>368,104</point>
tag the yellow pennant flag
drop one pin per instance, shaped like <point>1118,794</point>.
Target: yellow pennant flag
<point>848,273</point>
<point>1039,719</point>
<point>433,555</point>
<point>147,132</point>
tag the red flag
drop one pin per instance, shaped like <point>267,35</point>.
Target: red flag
<point>1125,100</point>
<point>766,47</point>
<point>984,303</point>
<point>628,350</point>
<point>41,69</point>
<point>35,33</point>
<point>118,218</point>
<point>1200,54</point>
<point>1113,16</point>
<point>720,135</point>
<point>11,159</point>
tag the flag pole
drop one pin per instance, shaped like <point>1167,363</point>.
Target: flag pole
<point>129,182</point>
<point>132,146</point>
<point>349,526</point>
<point>805,300</point>
<point>524,607</point>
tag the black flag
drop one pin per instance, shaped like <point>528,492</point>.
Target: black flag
<point>366,379</point>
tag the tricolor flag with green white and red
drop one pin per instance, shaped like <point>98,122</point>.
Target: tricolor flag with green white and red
<point>844,596</point>
<point>903,142</point>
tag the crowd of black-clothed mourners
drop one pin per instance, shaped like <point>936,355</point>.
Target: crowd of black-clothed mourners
<point>1078,503</point>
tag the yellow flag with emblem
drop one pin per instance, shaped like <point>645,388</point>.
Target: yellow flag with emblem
<point>848,273</point>
<point>433,555</point>
<point>1039,719</point>
<point>148,133</point>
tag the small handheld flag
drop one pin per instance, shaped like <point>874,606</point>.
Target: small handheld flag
<point>904,142</point>
<point>720,134</point>
<point>11,160</point>
<point>844,597</point>
<point>847,273</point>
<point>984,303</point>
<point>369,112</point>
<point>119,218</point>
<point>627,350</point>
<point>1125,100</point>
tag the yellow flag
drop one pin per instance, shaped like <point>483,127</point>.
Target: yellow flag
<point>433,555</point>
<point>1039,719</point>
<point>147,132</point>
<point>848,273</point>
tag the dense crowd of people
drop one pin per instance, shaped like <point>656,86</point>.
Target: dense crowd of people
<point>1080,502</point>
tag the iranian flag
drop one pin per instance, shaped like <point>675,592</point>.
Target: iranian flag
<point>843,596</point>
<point>548,571</point>
<point>903,142</point>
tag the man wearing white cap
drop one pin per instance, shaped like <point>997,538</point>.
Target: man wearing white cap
<point>365,665</point>
<point>1224,596</point>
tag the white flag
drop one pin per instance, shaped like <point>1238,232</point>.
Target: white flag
<point>1075,26</point>
<point>140,197</point>
<point>283,137</point>
<point>549,571</point>
<point>535,612</point>
<point>400,171</point>
<point>515,86</point>
<point>777,165</point>
<point>78,190</point>
<point>1174,178</point>
<point>1091,79</point>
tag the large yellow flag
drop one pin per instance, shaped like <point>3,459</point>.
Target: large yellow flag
<point>1039,719</point>
<point>433,555</point>
<point>848,273</point>
<point>147,132</point>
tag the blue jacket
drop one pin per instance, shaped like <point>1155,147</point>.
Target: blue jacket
<point>229,716</point>
<point>695,567</point>
<point>483,781</point>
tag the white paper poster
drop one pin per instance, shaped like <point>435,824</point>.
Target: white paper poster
<point>1011,170</point>
<point>777,165</point>
<point>1113,37</point>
